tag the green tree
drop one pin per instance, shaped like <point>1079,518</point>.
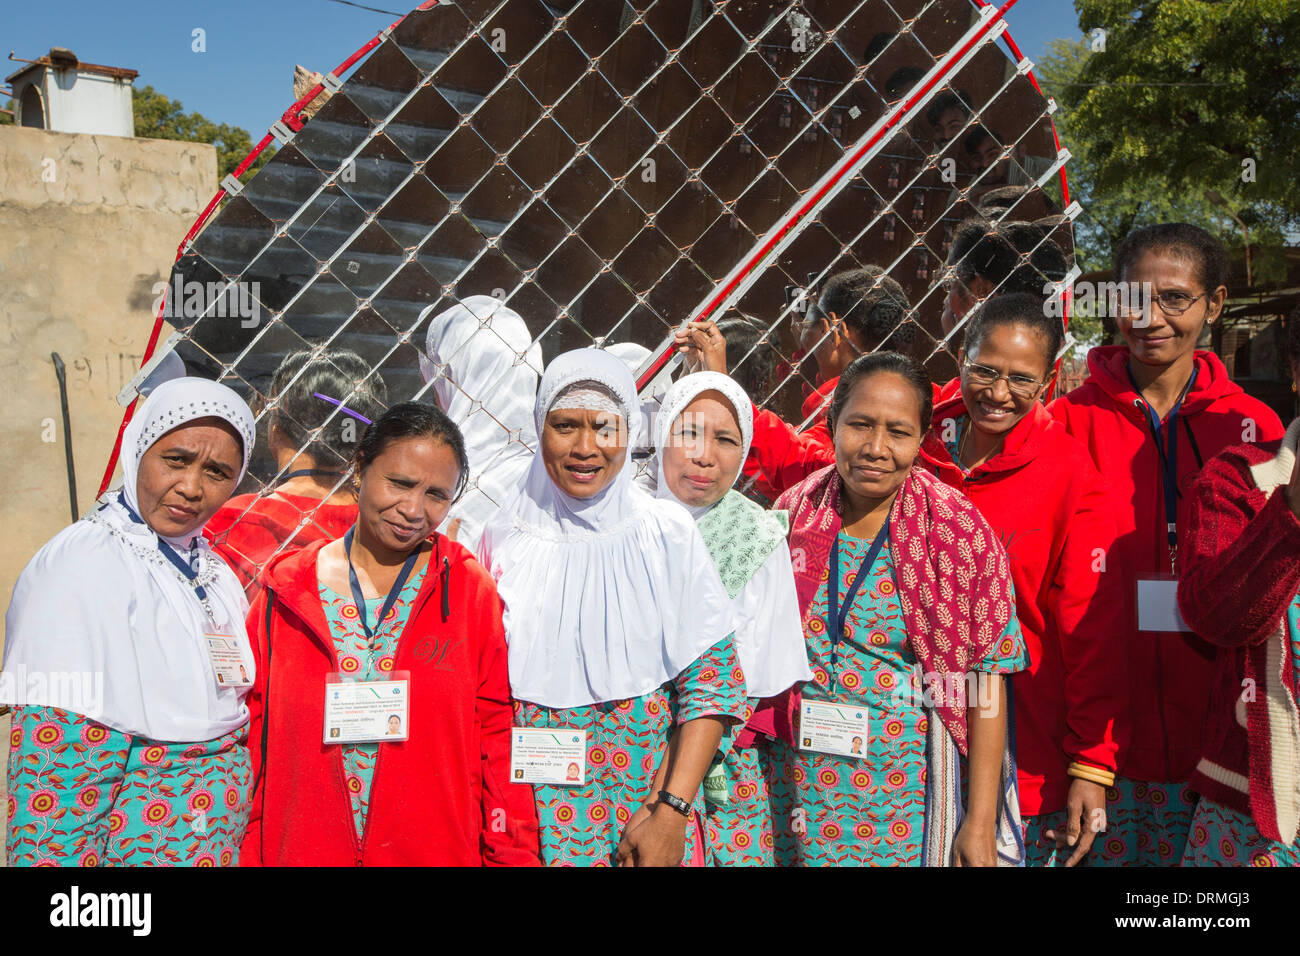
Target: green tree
<point>1110,210</point>
<point>1195,99</point>
<point>7,119</point>
<point>1159,190</point>
<point>157,117</point>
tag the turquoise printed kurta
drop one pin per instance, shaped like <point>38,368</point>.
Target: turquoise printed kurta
<point>83,794</point>
<point>582,825</point>
<point>358,662</point>
<point>837,811</point>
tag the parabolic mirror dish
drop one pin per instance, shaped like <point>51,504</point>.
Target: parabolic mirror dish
<point>611,171</point>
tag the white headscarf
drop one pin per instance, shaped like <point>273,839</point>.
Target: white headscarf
<point>102,624</point>
<point>484,369</point>
<point>769,630</point>
<point>629,353</point>
<point>609,597</point>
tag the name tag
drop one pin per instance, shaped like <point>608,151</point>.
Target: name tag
<point>1157,605</point>
<point>228,662</point>
<point>833,727</point>
<point>371,711</point>
<point>552,755</point>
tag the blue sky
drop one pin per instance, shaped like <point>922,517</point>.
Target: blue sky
<point>245,76</point>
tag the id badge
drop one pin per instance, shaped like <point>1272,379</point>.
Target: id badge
<point>228,663</point>
<point>551,755</point>
<point>1157,605</point>
<point>367,711</point>
<point>833,727</point>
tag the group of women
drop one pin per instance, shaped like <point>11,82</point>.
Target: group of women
<point>957,643</point>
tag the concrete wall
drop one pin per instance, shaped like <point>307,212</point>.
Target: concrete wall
<point>88,225</point>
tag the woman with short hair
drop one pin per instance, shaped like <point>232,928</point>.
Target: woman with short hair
<point>381,718</point>
<point>320,405</point>
<point>907,600</point>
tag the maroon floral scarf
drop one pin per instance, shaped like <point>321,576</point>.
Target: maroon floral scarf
<point>954,580</point>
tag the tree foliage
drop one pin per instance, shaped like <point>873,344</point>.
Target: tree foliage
<point>1110,211</point>
<point>1187,91</point>
<point>1149,147</point>
<point>158,117</point>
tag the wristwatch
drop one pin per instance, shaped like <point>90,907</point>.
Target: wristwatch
<point>676,802</point>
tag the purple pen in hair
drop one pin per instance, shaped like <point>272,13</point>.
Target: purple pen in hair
<point>334,401</point>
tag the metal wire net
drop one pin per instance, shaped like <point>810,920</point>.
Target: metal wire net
<point>608,171</point>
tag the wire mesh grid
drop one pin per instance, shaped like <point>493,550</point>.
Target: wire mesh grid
<point>598,173</point>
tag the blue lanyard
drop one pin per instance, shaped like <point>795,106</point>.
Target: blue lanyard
<point>358,596</point>
<point>838,614</point>
<point>1168,451</point>
<point>184,567</point>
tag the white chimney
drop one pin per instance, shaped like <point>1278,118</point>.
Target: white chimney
<point>59,93</point>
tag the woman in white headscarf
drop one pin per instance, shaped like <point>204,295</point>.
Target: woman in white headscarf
<point>702,438</point>
<point>483,364</point>
<point>127,660</point>
<point>619,634</point>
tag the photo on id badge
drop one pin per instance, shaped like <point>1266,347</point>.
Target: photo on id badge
<point>553,756</point>
<point>227,657</point>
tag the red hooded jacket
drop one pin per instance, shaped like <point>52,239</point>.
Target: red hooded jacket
<point>782,457</point>
<point>442,798</point>
<point>1169,675</point>
<point>1044,497</point>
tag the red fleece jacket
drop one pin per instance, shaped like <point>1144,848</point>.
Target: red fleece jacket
<point>1052,510</point>
<point>1169,675</point>
<point>248,529</point>
<point>442,798</point>
<point>782,457</point>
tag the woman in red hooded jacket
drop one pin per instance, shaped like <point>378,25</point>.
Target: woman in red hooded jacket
<point>1037,487</point>
<point>381,716</point>
<point>1151,413</point>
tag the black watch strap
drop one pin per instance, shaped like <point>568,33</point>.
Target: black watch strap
<point>676,802</point>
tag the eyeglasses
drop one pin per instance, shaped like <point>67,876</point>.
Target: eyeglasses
<point>1171,303</point>
<point>1021,385</point>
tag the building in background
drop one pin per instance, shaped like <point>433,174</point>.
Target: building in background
<point>59,93</point>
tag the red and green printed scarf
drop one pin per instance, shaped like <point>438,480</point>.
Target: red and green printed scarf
<point>954,580</point>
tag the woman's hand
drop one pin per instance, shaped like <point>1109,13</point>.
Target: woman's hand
<point>703,347</point>
<point>639,817</point>
<point>975,845</point>
<point>658,839</point>
<point>1085,817</point>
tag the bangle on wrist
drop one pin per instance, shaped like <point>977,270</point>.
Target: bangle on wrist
<point>676,802</point>
<point>1083,771</point>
